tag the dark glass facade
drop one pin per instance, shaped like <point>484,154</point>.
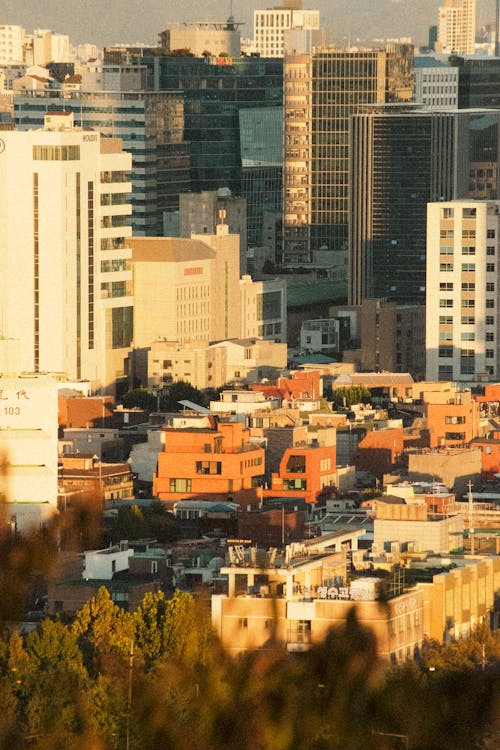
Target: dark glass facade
<point>401,162</point>
<point>322,90</point>
<point>478,81</point>
<point>214,94</point>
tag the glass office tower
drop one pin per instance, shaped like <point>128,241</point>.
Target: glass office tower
<point>321,91</point>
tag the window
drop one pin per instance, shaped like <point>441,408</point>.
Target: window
<point>468,266</point>
<point>446,286</point>
<point>243,622</point>
<point>490,233</point>
<point>445,372</point>
<point>445,233</point>
<point>468,286</point>
<point>490,336</point>
<point>467,336</point>
<point>446,266</point>
<point>459,436</point>
<point>490,286</point>
<point>468,250</point>
<point>467,320</point>
<point>445,303</point>
<point>446,352</point>
<point>454,420</point>
<point>490,320</point>
<point>490,250</point>
<point>56,153</point>
<point>446,320</point>
<point>180,485</point>
<point>446,250</point>
<point>468,303</point>
<point>490,354</point>
<point>490,268</point>
<point>209,467</point>
<point>468,234</point>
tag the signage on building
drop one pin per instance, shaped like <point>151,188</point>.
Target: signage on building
<point>334,592</point>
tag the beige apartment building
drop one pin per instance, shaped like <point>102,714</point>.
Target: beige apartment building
<point>65,276</point>
<point>293,603</point>
<point>186,290</point>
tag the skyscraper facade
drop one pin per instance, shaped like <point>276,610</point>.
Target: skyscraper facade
<point>322,90</point>
<point>457,27</point>
<point>402,160</point>
<point>271,25</point>
<point>463,291</point>
<point>65,276</point>
<point>151,128</point>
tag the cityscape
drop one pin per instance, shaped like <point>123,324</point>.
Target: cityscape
<point>250,375</point>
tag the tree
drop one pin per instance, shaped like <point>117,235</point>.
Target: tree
<point>103,630</point>
<point>140,398</point>
<point>349,395</point>
<point>181,390</point>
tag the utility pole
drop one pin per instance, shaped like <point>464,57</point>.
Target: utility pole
<point>471,519</point>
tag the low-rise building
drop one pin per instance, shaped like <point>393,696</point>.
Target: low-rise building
<point>204,458</point>
<point>128,572</point>
<point>304,472</point>
<point>83,476</point>
<point>293,603</point>
<point>398,522</point>
<point>454,467</point>
<point>453,423</point>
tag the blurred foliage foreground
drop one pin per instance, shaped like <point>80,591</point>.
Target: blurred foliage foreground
<point>158,678</point>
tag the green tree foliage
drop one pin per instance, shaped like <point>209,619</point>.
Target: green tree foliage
<point>181,390</point>
<point>103,630</point>
<point>153,522</point>
<point>140,398</point>
<point>349,395</point>
<point>75,686</point>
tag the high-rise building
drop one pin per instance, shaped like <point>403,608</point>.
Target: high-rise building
<point>201,213</point>
<point>261,141</point>
<point>457,27</point>
<point>322,90</point>
<point>201,275</point>
<point>400,162</point>
<point>478,81</point>
<point>203,38</point>
<point>270,26</point>
<point>215,91</point>
<point>436,84</point>
<point>65,277</point>
<point>463,285</point>
<point>11,44</point>
<point>151,128</point>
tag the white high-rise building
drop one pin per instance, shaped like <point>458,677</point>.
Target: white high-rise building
<point>457,27</point>
<point>65,277</point>
<point>271,25</point>
<point>463,284</point>
<point>11,44</point>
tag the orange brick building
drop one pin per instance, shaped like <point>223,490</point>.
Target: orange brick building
<point>455,423</point>
<point>304,472</point>
<point>80,411</point>
<point>380,451</point>
<point>215,462</point>
<point>301,384</point>
<point>490,454</point>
